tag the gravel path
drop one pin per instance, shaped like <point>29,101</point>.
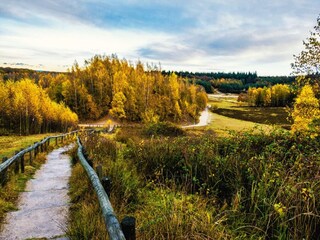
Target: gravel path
<point>43,207</point>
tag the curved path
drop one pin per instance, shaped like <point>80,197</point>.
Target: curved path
<point>204,119</point>
<point>43,207</point>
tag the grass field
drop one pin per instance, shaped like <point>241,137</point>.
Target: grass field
<point>228,113</point>
<point>9,144</point>
<point>221,124</point>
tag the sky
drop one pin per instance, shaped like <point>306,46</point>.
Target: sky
<point>178,35</point>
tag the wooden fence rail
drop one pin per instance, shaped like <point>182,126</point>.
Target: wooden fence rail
<point>18,158</point>
<point>111,222</point>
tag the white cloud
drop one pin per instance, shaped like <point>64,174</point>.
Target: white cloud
<point>62,44</point>
<point>207,35</point>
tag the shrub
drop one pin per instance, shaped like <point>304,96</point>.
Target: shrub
<point>164,129</point>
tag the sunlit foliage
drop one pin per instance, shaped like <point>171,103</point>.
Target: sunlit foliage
<point>306,111</point>
<point>279,95</point>
<point>126,91</point>
<point>26,108</point>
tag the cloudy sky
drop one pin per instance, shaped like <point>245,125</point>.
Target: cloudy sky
<point>191,35</point>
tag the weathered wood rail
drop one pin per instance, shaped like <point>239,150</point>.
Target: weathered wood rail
<point>19,158</point>
<point>125,231</point>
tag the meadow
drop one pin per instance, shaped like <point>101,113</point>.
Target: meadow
<point>247,185</point>
<point>228,106</point>
<point>232,179</point>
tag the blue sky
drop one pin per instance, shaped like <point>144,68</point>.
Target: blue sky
<point>198,35</point>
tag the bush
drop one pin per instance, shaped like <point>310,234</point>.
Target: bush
<point>163,129</point>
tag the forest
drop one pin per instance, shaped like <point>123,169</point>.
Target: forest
<point>27,109</point>
<point>233,82</point>
<point>106,85</point>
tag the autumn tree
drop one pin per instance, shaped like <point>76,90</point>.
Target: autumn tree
<point>26,108</point>
<point>279,95</point>
<point>306,111</point>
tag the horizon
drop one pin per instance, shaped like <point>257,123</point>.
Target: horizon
<point>167,71</point>
<point>206,36</point>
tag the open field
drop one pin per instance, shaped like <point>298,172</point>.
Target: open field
<point>221,124</point>
<point>9,144</point>
<point>227,105</point>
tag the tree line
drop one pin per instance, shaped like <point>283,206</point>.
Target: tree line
<point>280,95</point>
<point>128,92</point>
<point>233,82</point>
<point>26,109</point>
<point>104,85</point>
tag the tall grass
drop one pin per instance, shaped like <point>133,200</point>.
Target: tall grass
<point>161,213</point>
<point>268,184</point>
<point>85,219</point>
<point>244,186</point>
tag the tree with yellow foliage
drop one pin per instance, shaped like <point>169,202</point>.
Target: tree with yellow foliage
<point>26,108</point>
<point>306,111</point>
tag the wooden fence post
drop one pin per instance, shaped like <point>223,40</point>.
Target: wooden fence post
<point>16,165</point>
<point>107,183</point>
<point>56,141</point>
<point>3,175</point>
<point>41,147</point>
<point>35,151</point>
<point>99,171</point>
<point>128,226</point>
<point>44,147</point>
<point>22,162</point>
<point>30,157</point>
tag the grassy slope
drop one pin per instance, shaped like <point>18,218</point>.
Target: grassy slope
<point>231,115</point>
<point>9,144</point>
<point>221,123</point>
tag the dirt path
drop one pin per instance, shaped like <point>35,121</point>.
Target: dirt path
<point>103,122</point>
<point>204,119</point>
<point>43,207</point>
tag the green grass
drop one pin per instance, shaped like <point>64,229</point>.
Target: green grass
<point>9,144</point>
<point>221,124</point>
<point>232,115</point>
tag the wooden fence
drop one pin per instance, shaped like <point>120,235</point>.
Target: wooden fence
<point>125,231</point>
<point>19,158</point>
